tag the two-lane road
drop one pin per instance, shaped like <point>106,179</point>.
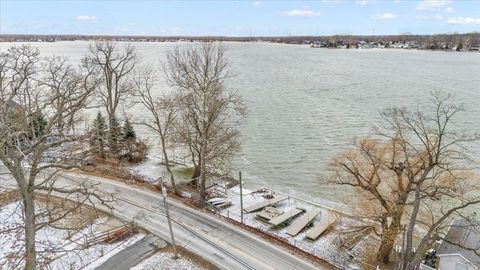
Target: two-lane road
<point>224,245</point>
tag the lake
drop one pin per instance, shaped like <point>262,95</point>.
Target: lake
<point>306,105</point>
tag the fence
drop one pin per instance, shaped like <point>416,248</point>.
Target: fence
<point>340,260</point>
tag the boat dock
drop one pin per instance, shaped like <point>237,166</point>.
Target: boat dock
<point>326,220</point>
<point>303,221</point>
<point>285,216</point>
<point>261,205</point>
<point>269,212</point>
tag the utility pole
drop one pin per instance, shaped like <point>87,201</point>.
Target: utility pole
<point>164,195</point>
<point>241,195</point>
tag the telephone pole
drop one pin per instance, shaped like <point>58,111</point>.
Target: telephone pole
<point>241,195</point>
<point>164,195</point>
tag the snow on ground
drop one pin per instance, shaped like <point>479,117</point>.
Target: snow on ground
<point>9,214</point>
<point>151,168</point>
<point>13,236</point>
<point>94,256</point>
<point>8,183</point>
<point>327,246</point>
<point>164,260</point>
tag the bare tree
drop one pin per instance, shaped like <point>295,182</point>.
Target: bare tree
<point>114,68</point>
<point>163,111</point>
<point>210,110</point>
<point>34,157</point>
<point>61,77</point>
<point>415,173</point>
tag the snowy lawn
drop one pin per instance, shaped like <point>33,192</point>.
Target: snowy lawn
<point>152,168</point>
<point>93,256</point>
<point>7,182</point>
<point>164,260</point>
<point>60,251</point>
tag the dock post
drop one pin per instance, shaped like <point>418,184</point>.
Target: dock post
<point>241,196</point>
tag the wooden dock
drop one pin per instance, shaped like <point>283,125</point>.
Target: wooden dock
<point>269,212</point>
<point>261,205</point>
<point>326,220</point>
<point>285,216</point>
<point>303,221</point>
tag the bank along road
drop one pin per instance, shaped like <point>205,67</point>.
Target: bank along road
<point>222,244</point>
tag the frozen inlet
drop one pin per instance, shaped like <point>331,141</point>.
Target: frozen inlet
<point>326,220</point>
<point>258,206</point>
<point>303,221</point>
<point>285,216</point>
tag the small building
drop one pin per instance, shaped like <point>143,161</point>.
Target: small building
<point>460,250</point>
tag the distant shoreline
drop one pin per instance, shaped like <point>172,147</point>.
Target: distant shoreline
<point>368,47</point>
<point>438,42</point>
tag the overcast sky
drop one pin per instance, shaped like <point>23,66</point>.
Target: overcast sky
<point>239,18</point>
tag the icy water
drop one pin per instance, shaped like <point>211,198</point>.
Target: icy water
<point>306,105</point>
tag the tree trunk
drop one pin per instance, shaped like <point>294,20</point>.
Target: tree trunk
<point>407,255</point>
<point>167,164</point>
<point>196,174</point>
<point>202,174</point>
<point>101,145</point>
<point>386,247</point>
<point>29,209</point>
<point>203,180</point>
<point>389,235</point>
<point>203,194</point>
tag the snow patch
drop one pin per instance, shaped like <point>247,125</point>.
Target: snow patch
<point>165,260</point>
<point>71,256</point>
<point>328,246</point>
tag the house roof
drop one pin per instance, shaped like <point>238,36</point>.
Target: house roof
<point>463,238</point>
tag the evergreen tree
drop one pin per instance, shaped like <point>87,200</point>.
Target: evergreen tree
<point>128,132</point>
<point>114,135</point>
<point>37,125</point>
<point>99,133</point>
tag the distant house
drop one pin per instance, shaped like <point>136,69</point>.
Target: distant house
<point>461,248</point>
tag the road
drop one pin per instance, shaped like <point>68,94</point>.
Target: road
<point>134,254</point>
<point>224,245</point>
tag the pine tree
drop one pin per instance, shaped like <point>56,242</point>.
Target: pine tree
<point>37,125</point>
<point>129,133</point>
<point>114,135</point>
<point>99,133</point>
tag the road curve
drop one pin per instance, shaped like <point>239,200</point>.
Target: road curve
<point>224,245</point>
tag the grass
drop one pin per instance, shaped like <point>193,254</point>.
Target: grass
<point>183,172</point>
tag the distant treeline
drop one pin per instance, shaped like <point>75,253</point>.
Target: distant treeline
<point>467,38</point>
<point>439,41</point>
